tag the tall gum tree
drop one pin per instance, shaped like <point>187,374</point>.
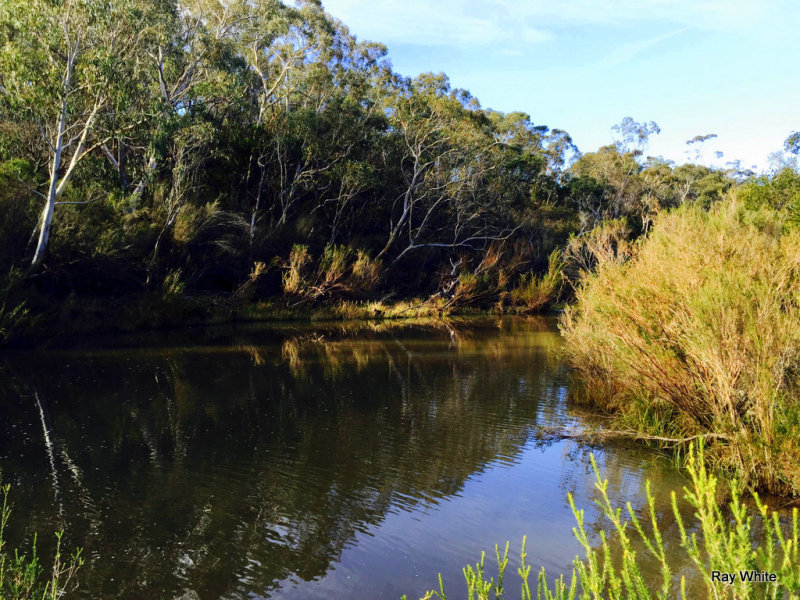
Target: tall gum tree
<point>447,160</point>
<point>63,66</point>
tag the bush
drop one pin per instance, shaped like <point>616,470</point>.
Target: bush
<point>779,192</point>
<point>19,210</point>
<point>701,325</point>
<point>608,242</point>
<point>340,273</point>
<point>15,315</point>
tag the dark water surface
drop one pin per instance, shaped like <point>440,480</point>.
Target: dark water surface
<point>325,461</point>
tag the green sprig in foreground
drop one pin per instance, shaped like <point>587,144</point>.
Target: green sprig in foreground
<point>22,577</point>
<point>730,539</point>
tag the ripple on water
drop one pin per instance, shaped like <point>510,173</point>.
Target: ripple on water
<point>282,466</point>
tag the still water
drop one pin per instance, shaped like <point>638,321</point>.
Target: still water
<point>303,462</point>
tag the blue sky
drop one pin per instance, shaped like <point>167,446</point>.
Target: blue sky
<point>695,67</point>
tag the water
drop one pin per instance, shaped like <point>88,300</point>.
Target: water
<point>302,462</point>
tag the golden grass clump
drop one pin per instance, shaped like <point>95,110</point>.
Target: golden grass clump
<point>533,292</point>
<point>340,272</point>
<point>293,280</point>
<point>698,334</point>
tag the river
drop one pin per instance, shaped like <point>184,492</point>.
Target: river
<point>314,461</point>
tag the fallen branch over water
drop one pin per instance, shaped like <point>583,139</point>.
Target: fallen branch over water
<point>596,435</point>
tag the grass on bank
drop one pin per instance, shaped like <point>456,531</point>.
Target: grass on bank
<point>730,539</point>
<point>536,292</point>
<point>22,326</point>
<point>697,334</point>
<point>23,577</point>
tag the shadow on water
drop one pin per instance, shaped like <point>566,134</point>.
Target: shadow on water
<point>308,462</point>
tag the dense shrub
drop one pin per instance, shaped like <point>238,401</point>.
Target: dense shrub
<point>533,293</point>
<point>698,334</point>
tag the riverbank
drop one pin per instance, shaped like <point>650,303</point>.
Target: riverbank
<point>59,324</point>
<point>697,335</point>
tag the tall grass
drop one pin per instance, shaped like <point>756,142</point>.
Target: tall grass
<point>698,335</point>
<point>533,292</point>
<point>733,539</point>
<point>12,318</point>
<point>23,577</point>
<point>14,313</point>
<point>340,272</point>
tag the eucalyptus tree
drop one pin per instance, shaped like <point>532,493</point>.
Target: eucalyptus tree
<point>698,142</point>
<point>447,157</point>
<point>309,74</point>
<point>194,74</point>
<point>792,143</point>
<point>65,66</point>
<point>633,135</point>
<point>618,173</point>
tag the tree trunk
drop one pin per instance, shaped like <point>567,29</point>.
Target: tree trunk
<point>52,189</point>
<point>44,232</point>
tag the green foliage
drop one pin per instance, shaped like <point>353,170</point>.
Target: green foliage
<point>19,211</point>
<point>697,183</point>
<point>172,286</point>
<point>14,314</point>
<point>536,292</point>
<point>11,318</point>
<point>792,143</point>
<point>211,138</point>
<point>780,192</point>
<point>732,538</point>
<point>23,577</point>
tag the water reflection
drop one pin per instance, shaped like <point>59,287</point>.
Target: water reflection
<point>316,462</point>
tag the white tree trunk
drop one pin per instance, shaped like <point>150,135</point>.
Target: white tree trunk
<point>52,189</point>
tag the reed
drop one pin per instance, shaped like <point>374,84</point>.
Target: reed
<point>536,292</point>
<point>340,272</point>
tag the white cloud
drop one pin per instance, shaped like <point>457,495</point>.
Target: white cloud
<point>442,23</point>
<point>625,52</point>
<point>514,23</point>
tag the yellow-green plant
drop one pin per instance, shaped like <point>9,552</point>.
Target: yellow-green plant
<point>701,327</point>
<point>23,578</point>
<point>340,271</point>
<point>730,539</point>
<point>535,292</point>
<point>173,285</point>
<point>293,275</point>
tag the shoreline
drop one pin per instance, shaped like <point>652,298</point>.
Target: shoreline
<point>65,325</point>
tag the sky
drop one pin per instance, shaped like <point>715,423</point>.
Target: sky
<point>695,67</point>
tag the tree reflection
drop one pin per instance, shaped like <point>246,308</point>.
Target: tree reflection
<point>226,469</point>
